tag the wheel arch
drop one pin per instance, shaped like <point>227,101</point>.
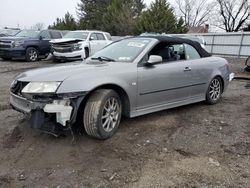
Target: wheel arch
<point>33,46</point>
<point>120,91</point>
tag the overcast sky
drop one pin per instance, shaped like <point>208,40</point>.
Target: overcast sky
<point>26,13</point>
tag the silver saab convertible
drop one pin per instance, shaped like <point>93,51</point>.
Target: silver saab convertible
<point>130,77</point>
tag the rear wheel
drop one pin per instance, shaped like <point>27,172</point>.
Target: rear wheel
<point>31,54</point>
<point>102,114</point>
<point>214,91</point>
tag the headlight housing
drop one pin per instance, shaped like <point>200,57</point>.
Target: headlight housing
<point>77,46</point>
<point>17,43</point>
<point>41,87</point>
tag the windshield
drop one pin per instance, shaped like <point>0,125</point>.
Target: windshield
<point>76,35</point>
<point>123,51</point>
<point>28,33</point>
<point>10,32</point>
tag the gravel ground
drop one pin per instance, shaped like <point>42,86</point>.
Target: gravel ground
<point>192,146</point>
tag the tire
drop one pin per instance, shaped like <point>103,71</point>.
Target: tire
<point>31,54</point>
<point>102,114</point>
<point>6,58</point>
<point>86,53</point>
<point>55,60</point>
<point>214,91</point>
<point>247,69</point>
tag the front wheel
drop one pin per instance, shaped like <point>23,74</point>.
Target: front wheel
<point>214,91</point>
<point>86,53</point>
<point>102,114</point>
<point>31,54</point>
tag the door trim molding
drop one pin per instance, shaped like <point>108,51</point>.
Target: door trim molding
<point>181,87</point>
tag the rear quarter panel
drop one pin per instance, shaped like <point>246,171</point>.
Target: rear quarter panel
<point>220,68</point>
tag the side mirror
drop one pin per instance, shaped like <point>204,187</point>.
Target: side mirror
<point>91,38</point>
<point>40,38</point>
<point>153,59</point>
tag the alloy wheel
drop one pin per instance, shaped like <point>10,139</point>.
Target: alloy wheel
<point>215,89</point>
<point>33,55</point>
<point>111,114</point>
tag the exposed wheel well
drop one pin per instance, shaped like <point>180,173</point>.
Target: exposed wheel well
<point>120,91</point>
<point>86,52</point>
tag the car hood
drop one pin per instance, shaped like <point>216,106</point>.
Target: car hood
<point>62,72</point>
<point>65,40</point>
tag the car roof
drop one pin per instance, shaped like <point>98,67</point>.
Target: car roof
<point>177,40</point>
<point>88,31</point>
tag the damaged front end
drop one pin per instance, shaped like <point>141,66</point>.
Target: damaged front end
<point>49,112</point>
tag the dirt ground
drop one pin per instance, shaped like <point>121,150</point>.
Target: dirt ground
<point>197,145</point>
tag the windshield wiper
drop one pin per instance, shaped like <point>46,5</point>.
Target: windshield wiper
<point>102,58</point>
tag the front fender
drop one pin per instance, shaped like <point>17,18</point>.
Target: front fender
<point>79,83</point>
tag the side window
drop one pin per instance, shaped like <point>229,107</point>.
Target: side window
<point>45,35</point>
<point>191,52</point>
<point>100,36</point>
<point>169,52</point>
<point>93,36</point>
<point>55,35</point>
<point>108,36</point>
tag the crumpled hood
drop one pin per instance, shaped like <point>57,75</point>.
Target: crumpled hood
<point>64,40</point>
<point>62,72</point>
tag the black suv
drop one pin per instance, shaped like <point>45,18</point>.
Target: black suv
<point>30,45</point>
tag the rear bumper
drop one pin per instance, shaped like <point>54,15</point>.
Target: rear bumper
<point>12,53</point>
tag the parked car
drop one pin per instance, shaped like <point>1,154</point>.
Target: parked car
<point>77,45</point>
<point>30,45</point>
<point>131,77</point>
<point>9,32</point>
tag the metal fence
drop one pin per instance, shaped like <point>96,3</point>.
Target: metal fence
<point>227,44</point>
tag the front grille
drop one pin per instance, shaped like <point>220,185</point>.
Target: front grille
<point>5,44</point>
<point>18,87</point>
<point>62,48</point>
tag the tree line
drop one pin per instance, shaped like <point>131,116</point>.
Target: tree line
<point>131,17</point>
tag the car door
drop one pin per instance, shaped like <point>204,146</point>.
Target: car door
<point>164,83</point>
<point>94,43</point>
<point>200,71</point>
<point>44,43</point>
<point>102,41</point>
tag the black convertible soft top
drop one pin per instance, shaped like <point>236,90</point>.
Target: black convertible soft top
<point>177,40</point>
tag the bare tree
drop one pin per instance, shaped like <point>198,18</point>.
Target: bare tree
<point>194,12</point>
<point>233,14</point>
<point>39,26</point>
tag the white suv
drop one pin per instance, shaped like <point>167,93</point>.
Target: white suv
<point>79,44</point>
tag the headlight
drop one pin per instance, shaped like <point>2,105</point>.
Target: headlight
<point>41,87</point>
<point>13,84</point>
<point>77,46</point>
<point>17,43</point>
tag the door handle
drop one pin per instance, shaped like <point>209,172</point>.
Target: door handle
<point>187,69</point>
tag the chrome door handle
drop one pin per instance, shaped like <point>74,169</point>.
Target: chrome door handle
<point>187,69</point>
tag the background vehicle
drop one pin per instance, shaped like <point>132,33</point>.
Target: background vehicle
<point>9,32</point>
<point>79,44</point>
<point>131,77</point>
<point>30,45</point>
